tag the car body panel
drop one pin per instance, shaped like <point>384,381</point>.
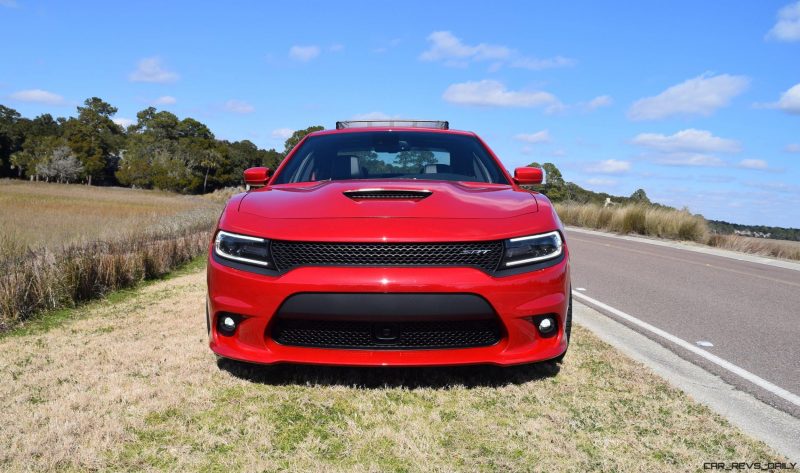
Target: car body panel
<point>453,212</point>
<point>452,200</point>
<point>514,299</point>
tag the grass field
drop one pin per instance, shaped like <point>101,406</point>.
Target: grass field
<point>61,244</point>
<point>128,384</point>
<point>38,214</point>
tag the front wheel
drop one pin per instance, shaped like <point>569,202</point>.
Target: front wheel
<point>567,329</point>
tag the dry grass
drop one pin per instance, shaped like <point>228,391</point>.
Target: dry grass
<point>670,224</point>
<point>63,244</point>
<point>651,221</point>
<point>759,246</point>
<point>132,386</point>
<point>39,214</point>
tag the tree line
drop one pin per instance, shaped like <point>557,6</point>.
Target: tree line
<point>159,151</point>
<point>559,190</point>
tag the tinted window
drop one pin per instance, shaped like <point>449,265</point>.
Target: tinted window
<point>400,155</point>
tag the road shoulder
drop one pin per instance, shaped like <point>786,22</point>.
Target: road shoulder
<point>772,426</point>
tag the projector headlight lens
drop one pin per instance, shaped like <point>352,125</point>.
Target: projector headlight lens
<point>532,249</point>
<point>242,248</point>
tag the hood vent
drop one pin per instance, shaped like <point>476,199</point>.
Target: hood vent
<point>387,194</point>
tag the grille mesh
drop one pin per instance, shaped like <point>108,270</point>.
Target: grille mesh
<point>387,194</point>
<point>288,255</point>
<point>409,335</point>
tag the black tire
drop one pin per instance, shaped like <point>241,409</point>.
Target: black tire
<point>567,329</point>
<point>208,321</point>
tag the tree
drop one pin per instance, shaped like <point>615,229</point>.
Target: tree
<point>415,159</point>
<point>555,188</point>
<point>36,149</point>
<point>41,137</point>
<point>62,166</point>
<point>640,197</point>
<point>10,137</point>
<point>93,136</point>
<point>298,136</point>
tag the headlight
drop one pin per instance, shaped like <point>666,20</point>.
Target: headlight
<point>245,249</point>
<point>532,249</point>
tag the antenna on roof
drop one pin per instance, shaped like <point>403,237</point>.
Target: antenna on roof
<point>437,124</point>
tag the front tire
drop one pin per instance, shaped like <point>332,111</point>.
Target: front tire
<point>567,329</point>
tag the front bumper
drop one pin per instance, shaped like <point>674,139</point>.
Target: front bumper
<point>514,299</point>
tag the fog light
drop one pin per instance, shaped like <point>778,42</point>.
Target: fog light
<point>227,323</point>
<point>547,325</point>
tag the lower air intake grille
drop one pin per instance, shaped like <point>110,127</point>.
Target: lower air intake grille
<point>483,255</point>
<point>386,336</point>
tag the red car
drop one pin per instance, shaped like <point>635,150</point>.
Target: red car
<point>389,244</point>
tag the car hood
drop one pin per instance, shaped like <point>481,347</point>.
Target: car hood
<point>327,200</point>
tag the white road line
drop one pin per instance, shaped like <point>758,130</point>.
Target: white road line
<point>742,373</point>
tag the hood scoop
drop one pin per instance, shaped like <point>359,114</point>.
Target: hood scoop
<point>387,194</point>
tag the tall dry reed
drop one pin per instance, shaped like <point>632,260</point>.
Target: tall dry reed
<point>48,279</point>
<point>759,246</point>
<point>639,219</point>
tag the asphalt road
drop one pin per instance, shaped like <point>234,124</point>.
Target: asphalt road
<point>749,311</point>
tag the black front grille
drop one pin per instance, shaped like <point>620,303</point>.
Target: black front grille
<point>386,336</point>
<point>289,254</point>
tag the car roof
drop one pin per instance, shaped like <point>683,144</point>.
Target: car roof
<point>372,129</point>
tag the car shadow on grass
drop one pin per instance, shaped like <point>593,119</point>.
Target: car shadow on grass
<point>380,378</point>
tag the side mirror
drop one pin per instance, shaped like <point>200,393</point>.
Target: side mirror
<point>256,177</point>
<point>527,175</point>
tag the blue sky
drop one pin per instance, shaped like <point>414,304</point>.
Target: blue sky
<point>696,102</point>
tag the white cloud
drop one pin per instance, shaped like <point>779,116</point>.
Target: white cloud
<point>336,48</point>
<point>535,64</point>
<point>701,95</point>
<point>599,101</point>
<point>788,26</point>
<point>8,3</point>
<point>446,47</point>
<point>609,166</point>
<point>690,140</point>
<point>304,53</point>
<point>165,100</point>
<point>790,100</point>
<point>123,122</point>
<point>537,137</point>
<point>282,133</point>
<point>38,96</point>
<point>238,106</point>
<point>689,159</point>
<point>792,148</point>
<point>491,93</point>
<point>150,69</point>
<point>753,164</point>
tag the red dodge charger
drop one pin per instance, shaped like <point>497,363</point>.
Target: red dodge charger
<point>398,243</point>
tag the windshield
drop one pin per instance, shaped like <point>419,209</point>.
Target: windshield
<point>391,154</point>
